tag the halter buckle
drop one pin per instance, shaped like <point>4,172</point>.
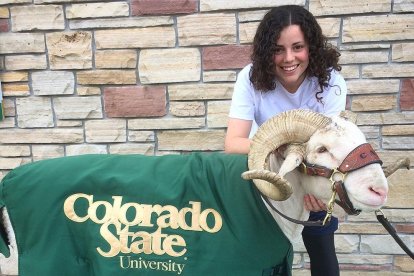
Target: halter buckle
<point>337,176</point>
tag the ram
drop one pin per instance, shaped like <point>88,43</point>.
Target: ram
<point>190,214</point>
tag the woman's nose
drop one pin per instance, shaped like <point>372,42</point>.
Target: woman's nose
<point>289,56</point>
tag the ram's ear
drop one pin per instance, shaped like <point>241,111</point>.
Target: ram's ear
<point>294,155</point>
<point>349,115</point>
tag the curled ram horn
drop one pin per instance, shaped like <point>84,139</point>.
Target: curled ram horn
<point>400,163</point>
<point>294,126</point>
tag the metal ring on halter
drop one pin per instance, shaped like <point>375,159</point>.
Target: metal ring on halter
<point>336,173</point>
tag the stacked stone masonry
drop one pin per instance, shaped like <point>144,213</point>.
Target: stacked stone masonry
<point>156,77</point>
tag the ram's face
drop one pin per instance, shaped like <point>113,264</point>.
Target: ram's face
<point>367,187</point>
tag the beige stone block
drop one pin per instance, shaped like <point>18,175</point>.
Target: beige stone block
<point>402,52</point>
<point>370,46</point>
<point>116,59</point>
<point>404,263</point>
<point>330,26</point>
<point>88,90</point>
<point>346,243</point>
<point>53,83</point>
<point>14,76</point>
<point>85,149</point>
<point>374,102</point>
<point>390,156</point>
<point>135,38</point>
<point>370,132</point>
<point>356,57</point>
<point>361,228</point>
<point>367,259</point>
<point>219,76</point>
<point>218,113</point>
<point>247,32</point>
<point>166,123</point>
<point>106,77</point>
<point>11,163</point>
<point>15,43</point>
<point>169,65</point>
<point>388,118</point>
<point>66,123</point>
<point>398,142</point>
<point>211,91</point>
<point>212,5</point>
<point>41,136</point>
<point>37,17</point>
<point>350,71</point>
<point>34,112</point>
<point>4,2</point>
<point>78,107</point>
<point>8,122</point>
<point>187,109</point>
<point>246,16</point>
<point>333,7</point>
<point>14,151</point>
<point>9,107</point>
<point>126,22</point>
<point>407,130</point>
<point>384,244</point>
<point>42,152</point>
<point>102,9</point>
<point>400,195</point>
<point>197,29</point>
<point>141,136</point>
<point>191,140</point>
<point>105,131</point>
<point>394,215</point>
<point>371,86</point>
<point>388,71</point>
<point>378,28</point>
<point>403,6</point>
<point>26,62</point>
<point>4,12</point>
<point>145,149</point>
<point>69,50</point>
<point>13,89</point>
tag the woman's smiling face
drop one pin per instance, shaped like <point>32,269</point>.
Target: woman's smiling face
<point>291,58</point>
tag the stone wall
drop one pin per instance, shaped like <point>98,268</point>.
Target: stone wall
<point>156,77</point>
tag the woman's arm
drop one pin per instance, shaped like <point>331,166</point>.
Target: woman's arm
<point>237,136</point>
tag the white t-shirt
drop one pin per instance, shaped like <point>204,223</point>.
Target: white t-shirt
<point>250,104</point>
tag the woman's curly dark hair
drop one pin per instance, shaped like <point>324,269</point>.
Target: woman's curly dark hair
<point>323,57</point>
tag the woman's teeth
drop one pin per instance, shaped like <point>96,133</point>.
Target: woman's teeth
<point>290,68</point>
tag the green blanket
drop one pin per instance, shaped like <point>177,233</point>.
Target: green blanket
<point>142,215</point>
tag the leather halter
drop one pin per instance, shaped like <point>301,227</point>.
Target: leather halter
<point>361,156</point>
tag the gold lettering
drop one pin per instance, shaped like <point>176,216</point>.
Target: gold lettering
<point>114,243</point>
<point>138,214</point>
<point>194,213</point>
<point>116,219</point>
<point>93,214</point>
<point>169,219</point>
<point>143,245</point>
<point>69,207</point>
<point>218,222</point>
<point>174,240</point>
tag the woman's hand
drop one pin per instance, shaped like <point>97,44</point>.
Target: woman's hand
<point>313,204</point>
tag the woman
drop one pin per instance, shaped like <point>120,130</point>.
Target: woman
<point>293,67</point>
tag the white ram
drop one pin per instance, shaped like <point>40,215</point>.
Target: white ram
<point>310,137</point>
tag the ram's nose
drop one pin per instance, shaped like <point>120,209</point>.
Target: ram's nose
<point>380,194</point>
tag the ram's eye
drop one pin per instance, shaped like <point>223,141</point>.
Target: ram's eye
<point>321,150</point>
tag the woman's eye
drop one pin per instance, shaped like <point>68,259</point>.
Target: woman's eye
<point>321,150</point>
<point>278,51</point>
<point>298,47</point>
